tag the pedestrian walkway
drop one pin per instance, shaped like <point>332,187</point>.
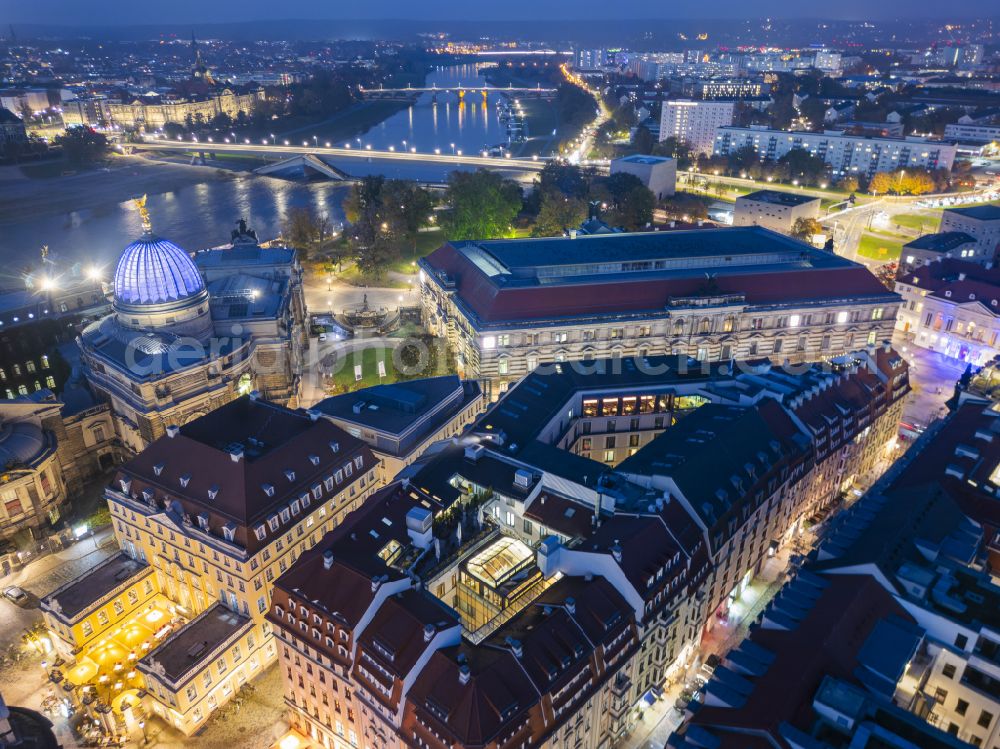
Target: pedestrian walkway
<point>95,547</point>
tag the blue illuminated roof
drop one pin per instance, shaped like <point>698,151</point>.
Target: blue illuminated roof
<point>155,271</point>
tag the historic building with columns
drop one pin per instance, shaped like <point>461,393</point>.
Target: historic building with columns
<point>189,334</point>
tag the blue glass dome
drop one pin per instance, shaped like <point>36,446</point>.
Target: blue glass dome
<point>155,271</point>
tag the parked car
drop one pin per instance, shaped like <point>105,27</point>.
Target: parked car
<point>16,595</point>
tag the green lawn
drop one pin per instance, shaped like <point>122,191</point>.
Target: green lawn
<point>879,248</point>
<point>924,223</point>
<point>430,365</point>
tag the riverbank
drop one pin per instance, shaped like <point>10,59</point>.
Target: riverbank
<point>126,177</point>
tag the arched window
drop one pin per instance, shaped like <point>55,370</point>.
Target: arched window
<point>679,327</point>
<point>705,325</point>
<point>244,384</point>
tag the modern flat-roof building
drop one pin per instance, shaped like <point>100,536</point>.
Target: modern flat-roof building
<point>401,420</point>
<point>507,306</point>
<point>695,121</point>
<point>774,209</point>
<point>847,155</point>
<point>658,173</point>
<point>982,222</point>
<point>508,590</point>
<point>207,517</point>
<point>931,248</point>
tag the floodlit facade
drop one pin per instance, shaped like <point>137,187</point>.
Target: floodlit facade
<point>207,517</point>
<point>187,335</point>
<point>508,306</point>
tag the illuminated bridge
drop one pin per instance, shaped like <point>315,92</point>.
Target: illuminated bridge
<point>317,151</point>
<point>459,92</point>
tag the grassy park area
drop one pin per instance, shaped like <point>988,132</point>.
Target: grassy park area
<point>421,356</point>
<point>879,248</point>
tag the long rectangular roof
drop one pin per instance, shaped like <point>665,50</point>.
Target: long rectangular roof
<point>613,274</point>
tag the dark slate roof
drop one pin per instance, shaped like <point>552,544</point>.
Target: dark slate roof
<point>8,118</point>
<point>943,242</point>
<point>779,197</point>
<point>706,450</point>
<point>186,648</point>
<point>80,593</point>
<point>990,212</point>
<point>395,408</point>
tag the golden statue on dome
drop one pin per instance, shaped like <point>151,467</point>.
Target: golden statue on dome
<point>140,204</point>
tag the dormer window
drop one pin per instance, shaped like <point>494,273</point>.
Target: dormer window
<point>185,480</point>
<point>158,469</point>
<point>328,483</point>
<point>358,462</point>
<point>203,521</point>
<point>314,459</point>
<point>295,507</point>
<point>126,484</point>
<point>304,499</point>
<point>335,447</point>
<point>339,477</point>
<point>147,494</point>
<point>285,515</point>
<point>272,522</point>
<point>229,531</point>
<point>260,532</point>
<point>317,491</point>
<point>213,491</point>
<point>290,474</point>
<point>268,489</point>
<point>348,469</point>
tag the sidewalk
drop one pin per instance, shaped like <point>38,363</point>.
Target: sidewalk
<point>96,543</point>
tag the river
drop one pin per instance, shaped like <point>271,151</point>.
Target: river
<point>82,219</point>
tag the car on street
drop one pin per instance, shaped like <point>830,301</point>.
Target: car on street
<point>16,595</point>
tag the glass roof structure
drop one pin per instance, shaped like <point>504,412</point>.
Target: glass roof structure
<point>155,271</point>
<point>498,561</point>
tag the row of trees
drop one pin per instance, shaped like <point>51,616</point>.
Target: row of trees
<point>565,195</point>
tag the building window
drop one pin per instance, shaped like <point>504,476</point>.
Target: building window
<point>985,718</point>
<point>527,527</point>
<point>961,641</point>
<point>503,366</point>
<point>948,671</point>
<point>45,361</point>
<point>961,706</point>
<point>609,456</point>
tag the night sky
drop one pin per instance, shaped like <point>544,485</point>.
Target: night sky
<point>95,12</point>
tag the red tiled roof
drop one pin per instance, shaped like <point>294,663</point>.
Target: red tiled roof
<point>492,303</point>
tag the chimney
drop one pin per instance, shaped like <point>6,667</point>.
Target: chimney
<point>313,414</point>
<point>254,395</point>
<point>173,430</point>
<point>571,605</point>
<point>573,233</point>
<point>616,552</point>
<point>428,632</point>
<point>236,454</point>
<point>961,276</point>
<point>515,647</point>
<point>464,673</point>
<point>327,559</point>
<point>887,346</point>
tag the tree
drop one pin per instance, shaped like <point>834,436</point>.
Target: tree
<point>805,167</point>
<point>305,230</point>
<point>630,202</point>
<point>380,211</point>
<point>849,184</point>
<point>483,205</point>
<point>806,228</point>
<point>880,183</point>
<point>643,140</point>
<point>557,214</point>
<point>82,145</point>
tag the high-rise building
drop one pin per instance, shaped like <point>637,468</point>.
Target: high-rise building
<point>694,122</point>
<point>847,155</point>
